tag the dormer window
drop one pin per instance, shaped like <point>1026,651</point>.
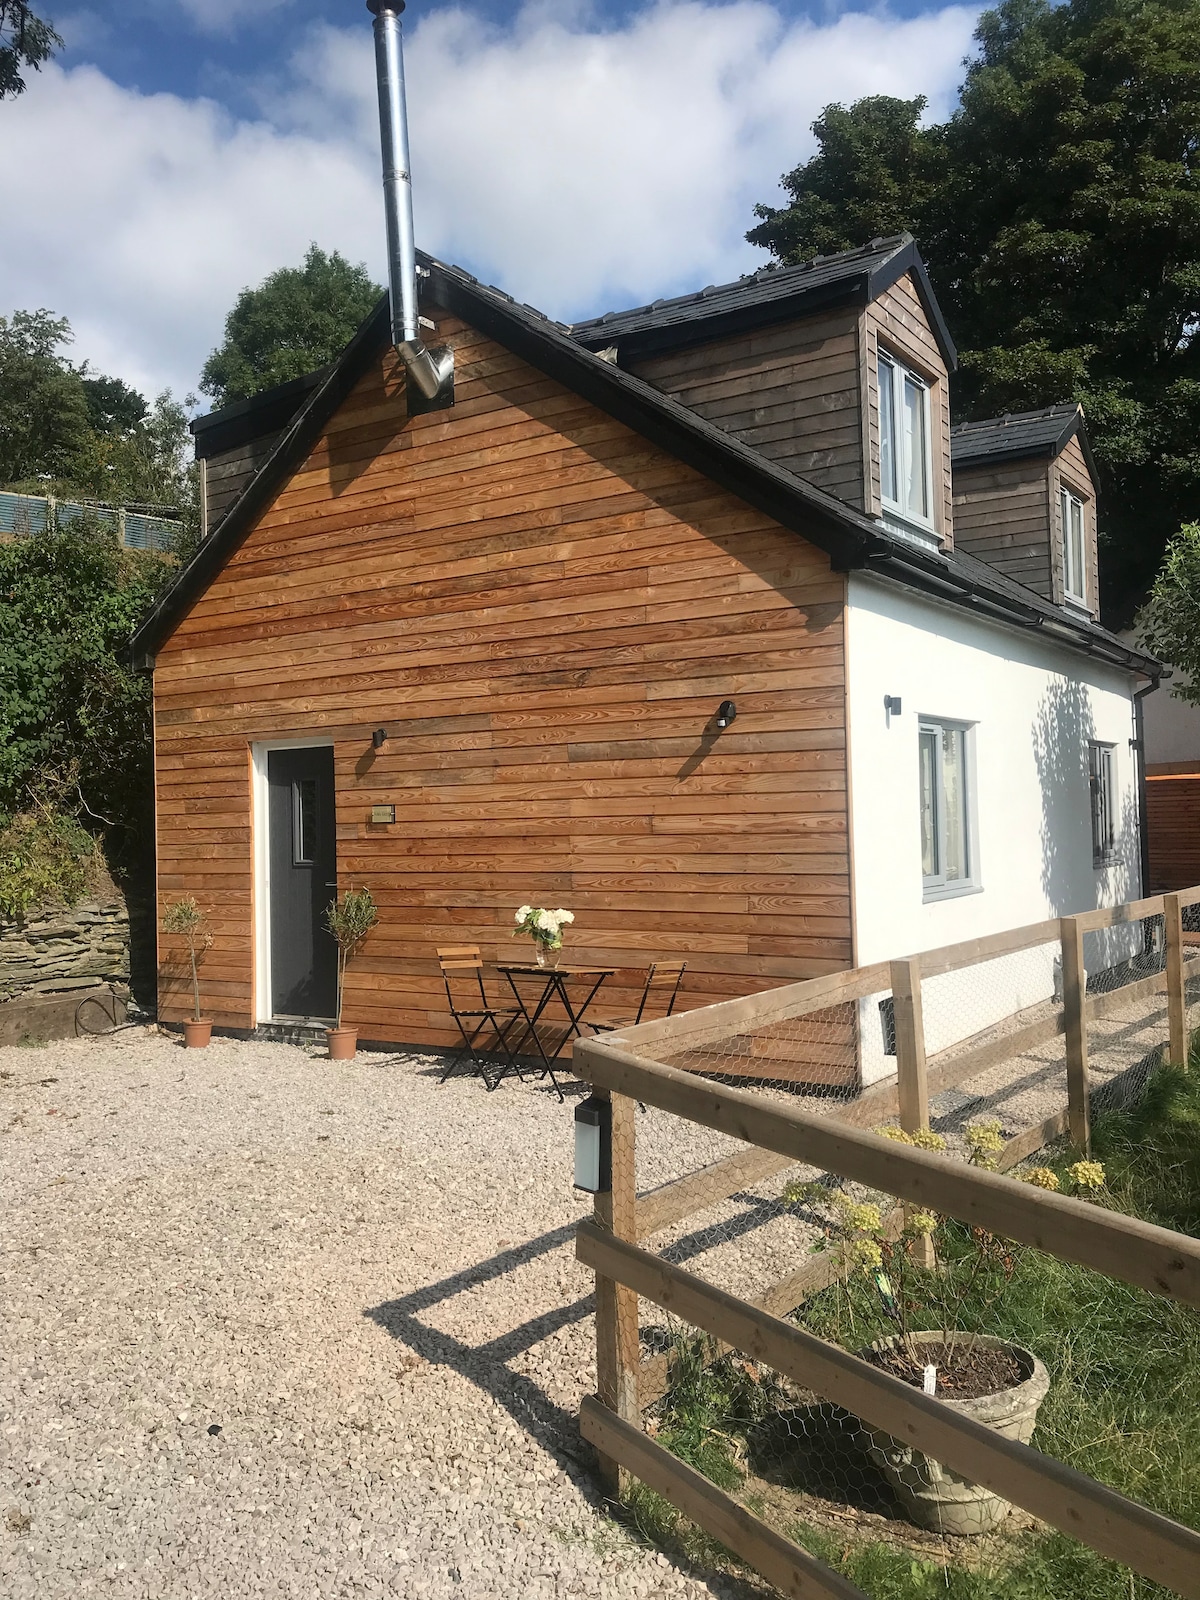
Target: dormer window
<point>1074,546</point>
<point>905,458</point>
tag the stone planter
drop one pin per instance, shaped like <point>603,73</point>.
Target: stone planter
<point>197,1034</point>
<point>934,1496</point>
<point>343,1042</point>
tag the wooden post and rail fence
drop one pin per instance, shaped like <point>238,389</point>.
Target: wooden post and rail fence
<point>627,1068</point>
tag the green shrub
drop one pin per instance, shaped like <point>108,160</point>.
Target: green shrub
<point>46,858</point>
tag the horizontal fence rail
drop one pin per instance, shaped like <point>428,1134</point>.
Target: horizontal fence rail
<point>1155,1546</point>
<point>1137,1252</point>
<point>1101,1023</point>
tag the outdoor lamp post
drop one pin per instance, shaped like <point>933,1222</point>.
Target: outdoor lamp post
<point>593,1145</point>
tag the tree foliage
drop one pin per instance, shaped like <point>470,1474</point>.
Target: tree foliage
<point>74,717</point>
<point>1058,211</point>
<point>68,432</point>
<point>1169,622</point>
<point>297,319</point>
<point>25,41</point>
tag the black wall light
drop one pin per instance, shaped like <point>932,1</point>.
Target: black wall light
<point>593,1145</point>
<point>891,704</point>
<point>726,712</point>
<point>379,738</point>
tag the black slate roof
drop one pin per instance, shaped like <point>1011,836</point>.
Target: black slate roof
<point>768,295</point>
<point>1019,435</point>
<point>852,540</point>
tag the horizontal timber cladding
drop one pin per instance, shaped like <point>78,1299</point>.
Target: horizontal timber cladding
<point>897,319</point>
<point>1002,516</point>
<point>791,390</point>
<point>544,611</point>
<point>1173,827</point>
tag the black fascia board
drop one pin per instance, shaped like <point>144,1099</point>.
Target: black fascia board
<point>886,273</point>
<point>851,539</point>
<point>249,419</point>
<point>844,534</point>
<point>1049,449</point>
<point>288,455</point>
<point>865,283</point>
<point>643,343</point>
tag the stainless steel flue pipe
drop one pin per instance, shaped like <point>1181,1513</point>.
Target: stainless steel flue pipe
<point>431,370</point>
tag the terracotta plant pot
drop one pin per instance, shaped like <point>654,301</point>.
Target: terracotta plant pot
<point>196,1034</point>
<point>933,1496</point>
<point>343,1042</point>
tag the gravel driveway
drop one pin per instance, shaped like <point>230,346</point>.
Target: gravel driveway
<point>278,1326</point>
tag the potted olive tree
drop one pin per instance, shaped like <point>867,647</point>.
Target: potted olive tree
<point>184,919</point>
<point>349,919</point>
<point>938,1344</point>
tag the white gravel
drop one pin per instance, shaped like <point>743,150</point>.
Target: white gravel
<point>278,1326</point>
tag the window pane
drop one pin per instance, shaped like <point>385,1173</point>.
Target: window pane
<point>887,431</point>
<point>916,496</point>
<point>929,829</point>
<point>954,789</point>
<point>304,820</point>
<point>1077,584</point>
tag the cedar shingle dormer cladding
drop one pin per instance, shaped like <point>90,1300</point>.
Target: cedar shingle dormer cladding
<point>1024,496</point>
<point>787,361</point>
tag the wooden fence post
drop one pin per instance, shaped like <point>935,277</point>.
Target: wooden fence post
<point>617,1346</point>
<point>1074,976</point>
<point>912,1080</point>
<point>1177,1052</point>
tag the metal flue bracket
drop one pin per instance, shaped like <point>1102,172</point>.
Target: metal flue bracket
<point>430,371</point>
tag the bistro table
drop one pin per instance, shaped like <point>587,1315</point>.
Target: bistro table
<point>554,982</point>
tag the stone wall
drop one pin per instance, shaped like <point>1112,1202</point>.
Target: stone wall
<point>51,950</point>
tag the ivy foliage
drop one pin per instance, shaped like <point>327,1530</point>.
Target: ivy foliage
<point>74,716</point>
<point>1058,212</point>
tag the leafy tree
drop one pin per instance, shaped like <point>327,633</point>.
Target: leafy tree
<point>1058,211</point>
<point>297,319</point>
<point>74,717</point>
<point>43,409</point>
<point>113,407</point>
<point>25,41</point>
<point>1169,623</point>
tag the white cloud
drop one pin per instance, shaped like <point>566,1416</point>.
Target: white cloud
<point>580,168</point>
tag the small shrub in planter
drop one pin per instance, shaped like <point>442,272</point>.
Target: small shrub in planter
<point>349,919</point>
<point>185,920</point>
<point>991,1380</point>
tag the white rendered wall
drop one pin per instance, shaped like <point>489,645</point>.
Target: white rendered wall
<point>1034,707</point>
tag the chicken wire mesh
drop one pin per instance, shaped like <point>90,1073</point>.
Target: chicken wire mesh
<point>1099,1368</point>
<point>775,1233</point>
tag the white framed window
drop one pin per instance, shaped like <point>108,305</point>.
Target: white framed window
<point>947,785</point>
<point>1102,785</point>
<point>1074,546</point>
<point>905,443</point>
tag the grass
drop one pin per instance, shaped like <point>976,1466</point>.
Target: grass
<point>1123,1403</point>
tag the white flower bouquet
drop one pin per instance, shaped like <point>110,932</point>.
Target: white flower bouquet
<point>543,927</point>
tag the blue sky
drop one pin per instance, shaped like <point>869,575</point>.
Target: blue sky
<point>583,157</point>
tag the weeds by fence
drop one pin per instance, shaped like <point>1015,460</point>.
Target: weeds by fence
<point>786,1086</point>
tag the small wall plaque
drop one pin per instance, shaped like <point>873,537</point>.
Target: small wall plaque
<point>383,813</point>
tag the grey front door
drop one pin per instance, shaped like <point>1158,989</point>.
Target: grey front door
<point>303,853</point>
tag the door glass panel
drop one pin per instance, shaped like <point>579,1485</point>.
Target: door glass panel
<point>929,829</point>
<point>954,787</point>
<point>304,821</point>
<point>887,431</point>
<point>916,496</point>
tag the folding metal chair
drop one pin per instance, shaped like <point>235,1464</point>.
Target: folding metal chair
<point>475,1014</point>
<point>663,982</point>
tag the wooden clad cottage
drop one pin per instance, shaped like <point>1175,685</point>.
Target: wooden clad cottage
<point>471,657</point>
